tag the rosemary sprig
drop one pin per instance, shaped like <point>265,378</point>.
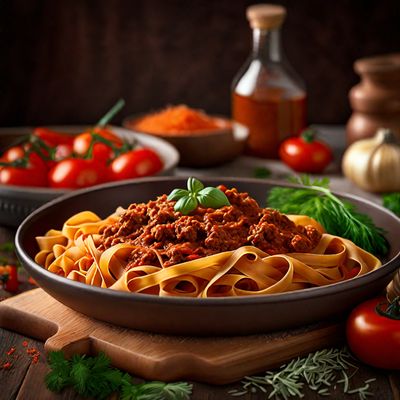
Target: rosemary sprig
<point>338,217</point>
<point>94,377</point>
<point>320,371</point>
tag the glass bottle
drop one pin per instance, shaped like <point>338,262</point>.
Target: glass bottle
<point>267,95</point>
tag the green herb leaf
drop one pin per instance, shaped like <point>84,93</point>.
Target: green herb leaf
<point>186,204</point>
<point>177,194</point>
<point>262,173</point>
<point>212,197</point>
<point>320,371</point>
<point>194,185</point>
<point>7,247</point>
<point>58,378</point>
<point>95,378</point>
<point>337,216</point>
<point>392,202</point>
<point>187,200</point>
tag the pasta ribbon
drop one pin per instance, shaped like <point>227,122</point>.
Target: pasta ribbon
<point>74,253</point>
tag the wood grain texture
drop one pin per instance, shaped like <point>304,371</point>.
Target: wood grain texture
<point>68,61</point>
<point>159,357</point>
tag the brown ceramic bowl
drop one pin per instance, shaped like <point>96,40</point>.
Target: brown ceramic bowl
<point>194,316</point>
<point>205,148</point>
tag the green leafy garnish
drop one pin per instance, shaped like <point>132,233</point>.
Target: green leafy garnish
<point>196,193</point>
<point>94,377</point>
<point>392,202</point>
<point>337,216</point>
<point>322,371</point>
<point>262,173</point>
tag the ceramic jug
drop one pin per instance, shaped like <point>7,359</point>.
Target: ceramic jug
<point>376,99</point>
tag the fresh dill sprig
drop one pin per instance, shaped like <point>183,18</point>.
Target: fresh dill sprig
<point>337,216</point>
<point>320,371</point>
<point>392,202</point>
<point>94,377</point>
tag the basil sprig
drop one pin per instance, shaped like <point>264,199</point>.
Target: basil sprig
<point>196,193</point>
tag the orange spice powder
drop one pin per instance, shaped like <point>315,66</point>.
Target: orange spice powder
<point>176,119</point>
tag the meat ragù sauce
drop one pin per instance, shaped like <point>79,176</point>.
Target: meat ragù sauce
<point>159,231</point>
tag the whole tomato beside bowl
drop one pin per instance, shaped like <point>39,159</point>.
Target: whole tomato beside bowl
<point>373,332</point>
<point>305,153</point>
<point>28,184</point>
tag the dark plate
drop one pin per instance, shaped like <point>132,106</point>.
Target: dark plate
<point>215,316</point>
<point>16,202</point>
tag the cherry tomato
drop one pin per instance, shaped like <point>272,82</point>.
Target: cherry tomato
<point>53,138</point>
<point>34,174</point>
<point>305,154</point>
<point>14,153</point>
<point>136,163</point>
<point>74,173</point>
<point>11,284</point>
<point>101,151</point>
<point>373,338</point>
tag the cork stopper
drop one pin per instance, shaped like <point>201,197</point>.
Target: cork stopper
<point>265,16</point>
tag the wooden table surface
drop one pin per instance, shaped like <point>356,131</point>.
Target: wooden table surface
<point>25,381</point>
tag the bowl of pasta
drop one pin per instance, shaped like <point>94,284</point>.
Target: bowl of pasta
<point>200,258</point>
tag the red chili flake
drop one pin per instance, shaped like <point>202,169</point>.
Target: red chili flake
<point>32,351</point>
<point>35,358</point>
<point>25,343</point>
<point>7,365</point>
<point>11,351</point>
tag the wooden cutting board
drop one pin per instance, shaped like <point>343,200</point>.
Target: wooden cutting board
<point>216,360</point>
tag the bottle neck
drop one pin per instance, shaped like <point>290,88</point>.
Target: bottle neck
<point>267,45</point>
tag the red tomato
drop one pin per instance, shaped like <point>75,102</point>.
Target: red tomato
<point>34,174</point>
<point>304,154</point>
<point>136,163</point>
<point>53,138</point>
<point>373,338</point>
<point>74,173</point>
<point>14,153</point>
<point>101,151</point>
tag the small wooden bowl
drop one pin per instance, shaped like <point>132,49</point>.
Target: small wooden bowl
<point>205,148</point>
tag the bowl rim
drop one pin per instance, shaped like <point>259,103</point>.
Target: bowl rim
<point>303,294</point>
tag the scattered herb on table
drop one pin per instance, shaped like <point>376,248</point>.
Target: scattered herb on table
<point>337,216</point>
<point>94,377</point>
<point>320,371</point>
<point>196,193</point>
<point>392,202</point>
<point>262,173</point>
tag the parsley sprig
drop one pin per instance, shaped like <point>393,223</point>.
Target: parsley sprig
<point>338,217</point>
<point>196,193</point>
<point>94,377</point>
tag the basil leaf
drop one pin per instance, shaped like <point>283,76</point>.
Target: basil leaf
<point>212,197</point>
<point>176,194</point>
<point>194,185</point>
<point>186,204</point>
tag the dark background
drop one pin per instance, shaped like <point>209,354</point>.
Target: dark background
<point>69,61</point>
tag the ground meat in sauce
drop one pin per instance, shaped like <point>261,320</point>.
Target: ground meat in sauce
<point>156,228</point>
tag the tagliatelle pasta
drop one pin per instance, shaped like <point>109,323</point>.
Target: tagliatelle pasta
<point>75,252</point>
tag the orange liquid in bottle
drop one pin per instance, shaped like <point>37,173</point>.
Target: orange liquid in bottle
<point>270,118</point>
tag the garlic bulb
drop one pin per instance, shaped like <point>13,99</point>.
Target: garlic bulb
<point>373,164</point>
